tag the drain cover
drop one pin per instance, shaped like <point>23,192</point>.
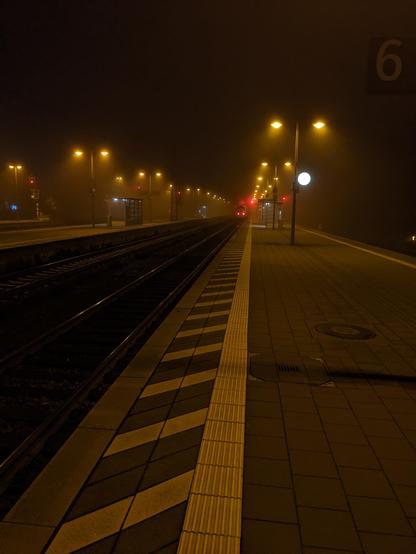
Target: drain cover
<point>348,332</point>
<point>288,368</point>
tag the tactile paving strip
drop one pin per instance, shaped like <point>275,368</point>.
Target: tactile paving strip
<point>213,515</point>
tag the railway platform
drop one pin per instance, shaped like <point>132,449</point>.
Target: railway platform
<point>16,238</point>
<point>274,410</point>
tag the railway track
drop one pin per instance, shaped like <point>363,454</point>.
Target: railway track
<point>21,283</point>
<point>45,381</point>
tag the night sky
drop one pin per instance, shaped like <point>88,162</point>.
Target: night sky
<point>190,87</point>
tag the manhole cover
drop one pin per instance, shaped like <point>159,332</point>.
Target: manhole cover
<point>349,332</point>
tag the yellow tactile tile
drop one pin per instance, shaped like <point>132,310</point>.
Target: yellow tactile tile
<point>213,514</point>
<point>208,544</point>
<point>90,528</point>
<point>225,431</point>
<point>184,422</point>
<point>201,331</point>
<point>226,412</point>
<point>226,396</point>
<point>223,454</point>
<point>228,383</point>
<point>124,441</point>
<point>219,481</point>
<point>217,313</point>
<point>215,503</point>
<point>159,498</point>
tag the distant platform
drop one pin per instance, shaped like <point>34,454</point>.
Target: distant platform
<point>13,238</point>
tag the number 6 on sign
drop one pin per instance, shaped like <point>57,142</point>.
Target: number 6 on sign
<point>383,58</point>
<point>392,65</point>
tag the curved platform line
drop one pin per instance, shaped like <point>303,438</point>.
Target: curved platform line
<point>367,250</point>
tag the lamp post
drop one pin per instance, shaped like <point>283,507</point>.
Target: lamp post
<point>143,174</point>
<point>277,125</point>
<point>16,168</point>
<point>80,154</point>
<point>274,188</point>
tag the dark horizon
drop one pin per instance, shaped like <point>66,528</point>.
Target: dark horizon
<point>191,89</point>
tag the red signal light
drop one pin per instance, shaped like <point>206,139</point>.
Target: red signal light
<point>284,198</point>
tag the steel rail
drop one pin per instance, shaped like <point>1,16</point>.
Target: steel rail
<point>46,273</point>
<point>34,442</point>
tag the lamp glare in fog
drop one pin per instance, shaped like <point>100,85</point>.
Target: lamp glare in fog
<point>304,178</point>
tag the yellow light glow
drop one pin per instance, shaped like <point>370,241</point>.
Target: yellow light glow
<point>78,153</point>
<point>259,178</point>
<point>11,166</point>
<point>270,186</point>
<point>119,178</point>
<point>276,124</point>
<point>188,190</point>
<point>264,164</point>
<point>319,124</point>
<point>257,186</point>
<point>19,167</point>
<point>158,174</point>
<point>208,193</point>
<point>141,174</point>
<point>104,153</point>
<point>170,186</point>
<point>198,190</point>
<point>288,164</point>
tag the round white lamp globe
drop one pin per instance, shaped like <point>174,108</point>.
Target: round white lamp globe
<point>304,178</point>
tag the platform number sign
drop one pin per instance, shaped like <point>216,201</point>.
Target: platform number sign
<point>392,66</point>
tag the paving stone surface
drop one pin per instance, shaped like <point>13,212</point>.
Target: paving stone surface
<point>343,410</point>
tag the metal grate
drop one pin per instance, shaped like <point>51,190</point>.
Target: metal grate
<point>288,368</point>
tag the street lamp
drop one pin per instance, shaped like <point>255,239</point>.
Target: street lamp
<point>276,125</point>
<point>119,178</point>
<point>16,168</point>
<point>93,189</point>
<point>143,174</point>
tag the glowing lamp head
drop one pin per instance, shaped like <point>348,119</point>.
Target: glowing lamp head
<point>158,174</point>
<point>304,179</point>
<point>276,124</point>
<point>264,164</point>
<point>104,153</point>
<point>259,178</point>
<point>78,153</point>
<point>288,164</point>
<point>319,124</point>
